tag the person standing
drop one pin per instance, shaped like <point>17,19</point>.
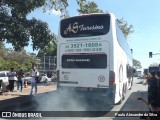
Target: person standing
<point>153,86</point>
<point>12,79</point>
<point>20,76</point>
<point>34,75</point>
<point>0,85</point>
<point>158,77</point>
<point>3,86</point>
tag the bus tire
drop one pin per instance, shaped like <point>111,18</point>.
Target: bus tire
<point>121,80</point>
<point>124,91</point>
<point>120,101</point>
<point>121,97</point>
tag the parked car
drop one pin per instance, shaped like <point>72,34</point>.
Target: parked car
<point>139,74</point>
<point>27,78</point>
<point>4,76</point>
<point>43,77</point>
<point>145,73</point>
<point>54,78</point>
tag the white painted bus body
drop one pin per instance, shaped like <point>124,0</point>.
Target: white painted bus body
<point>86,79</point>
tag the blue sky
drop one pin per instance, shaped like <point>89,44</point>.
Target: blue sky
<point>142,14</point>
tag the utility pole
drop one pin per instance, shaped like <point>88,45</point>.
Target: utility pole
<point>49,62</point>
<point>55,60</point>
<point>44,62</point>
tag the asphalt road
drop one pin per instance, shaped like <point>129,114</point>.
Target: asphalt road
<point>52,102</point>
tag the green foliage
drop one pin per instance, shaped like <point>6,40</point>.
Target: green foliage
<point>14,64</point>
<point>50,49</point>
<point>2,46</point>
<point>88,7</point>
<point>17,30</point>
<point>41,35</point>
<point>10,58</point>
<point>126,29</point>
<point>2,63</point>
<point>137,64</point>
<point>57,5</point>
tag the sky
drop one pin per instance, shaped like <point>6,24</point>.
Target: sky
<point>142,14</point>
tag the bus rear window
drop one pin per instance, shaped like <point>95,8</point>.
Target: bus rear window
<point>84,26</point>
<point>84,61</point>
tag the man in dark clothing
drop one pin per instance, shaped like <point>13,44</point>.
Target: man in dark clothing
<point>12,79</point>
<point>153,85</point>
<point>0,85</point>
<point>20,76</point>
<point>158,77</point>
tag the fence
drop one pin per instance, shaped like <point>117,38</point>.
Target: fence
<point>46,63</point>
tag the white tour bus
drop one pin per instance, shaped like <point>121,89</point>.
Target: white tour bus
<point>93,57</point>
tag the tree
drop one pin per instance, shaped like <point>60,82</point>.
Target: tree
<point>49,50</point>
<point>9,57</point>
<point>137,64</point>
<point>126,29</point>
<point>88,7</point>
<point>2,46</point>
<point>16,29</point>
<point>2,49</point>
<point>2,63</point>
<point>58,5</point>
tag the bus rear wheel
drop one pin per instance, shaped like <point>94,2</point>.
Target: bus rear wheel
<point>124,91</point>
<point>121,85</point>
<point>121,98</point>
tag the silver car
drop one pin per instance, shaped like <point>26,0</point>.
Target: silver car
<point>42,78</point>
<point>4,76</point>
<point>27,78</point>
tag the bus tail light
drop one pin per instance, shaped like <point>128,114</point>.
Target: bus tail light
<point>111,78</point>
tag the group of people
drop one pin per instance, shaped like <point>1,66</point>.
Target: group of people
<point>18,77</point>
<point>13,76</point>
<point>153,82</point>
